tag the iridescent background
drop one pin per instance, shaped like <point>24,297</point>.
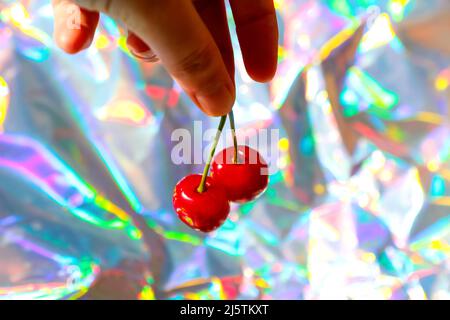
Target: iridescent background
<point>359,208</point>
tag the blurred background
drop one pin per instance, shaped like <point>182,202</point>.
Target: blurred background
<point>359,207</point>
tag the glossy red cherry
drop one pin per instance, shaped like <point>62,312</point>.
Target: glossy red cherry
<point>243,181</point>
<point>204,211</point>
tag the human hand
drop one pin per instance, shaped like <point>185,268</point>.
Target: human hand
<point>190,37</point>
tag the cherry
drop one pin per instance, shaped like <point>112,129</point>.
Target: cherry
<point>243,179</point>
<point>204,211</point>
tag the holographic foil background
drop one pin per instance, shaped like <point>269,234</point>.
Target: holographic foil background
<point>359,208</point>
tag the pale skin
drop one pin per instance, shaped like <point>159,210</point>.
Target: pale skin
<point>190,37</point>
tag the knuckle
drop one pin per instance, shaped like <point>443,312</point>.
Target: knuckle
<point>195,62</point>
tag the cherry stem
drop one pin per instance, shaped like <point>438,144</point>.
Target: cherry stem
<point>233,132</point>
<point>201,187</point>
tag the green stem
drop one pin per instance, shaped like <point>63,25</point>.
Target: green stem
<point>201,187</point>
<point>233,132</point>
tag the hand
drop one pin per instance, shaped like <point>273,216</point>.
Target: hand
<point>191,38</point>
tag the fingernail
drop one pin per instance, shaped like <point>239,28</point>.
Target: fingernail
<point>216,101</point>
<point>148,56</point>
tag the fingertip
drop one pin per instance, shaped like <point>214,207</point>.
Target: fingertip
<point>74,27</point>
<point>216,100</point>
<point>72,41</point>
<point>260,53</point>
<point>203,75</point>
<point>262,73</point>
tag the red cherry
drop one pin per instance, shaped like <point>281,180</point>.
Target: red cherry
<point>243,181</point>
<point>204,211</point>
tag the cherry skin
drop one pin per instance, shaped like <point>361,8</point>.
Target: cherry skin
<point>204,211</point>
<point>243,181</point>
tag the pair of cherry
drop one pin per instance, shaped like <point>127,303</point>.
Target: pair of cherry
<point>238,174</point>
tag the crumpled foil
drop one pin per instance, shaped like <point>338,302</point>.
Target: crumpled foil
<point>358,208</point>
